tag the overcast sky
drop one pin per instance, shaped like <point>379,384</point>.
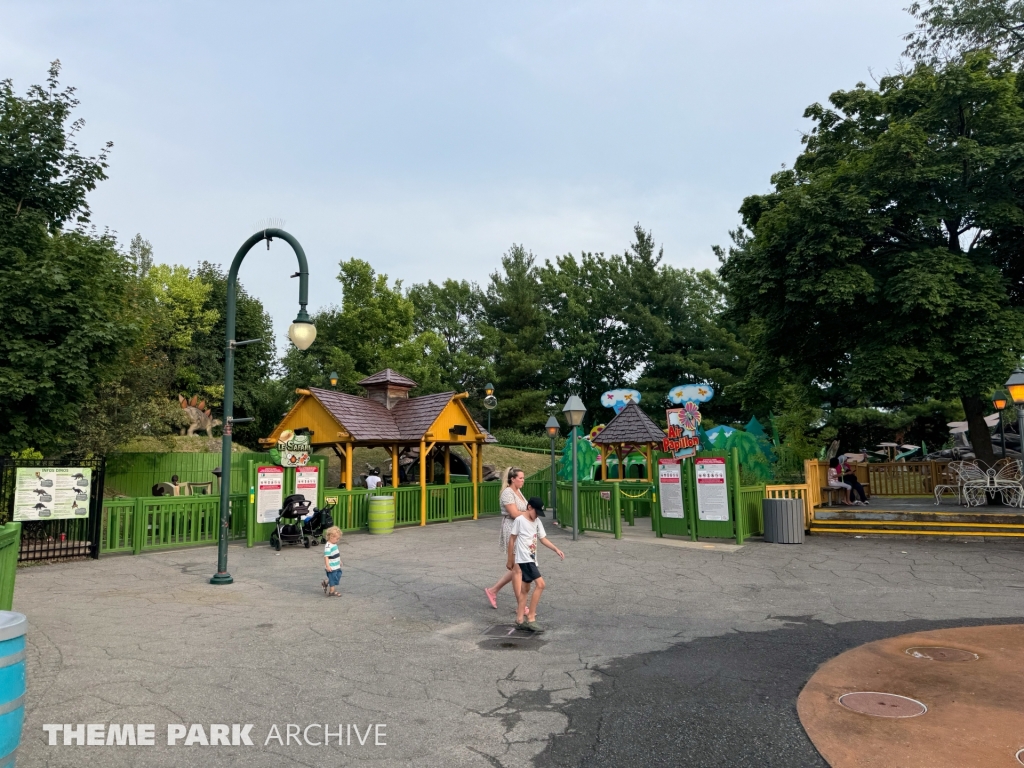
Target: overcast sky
<point>427,137</point>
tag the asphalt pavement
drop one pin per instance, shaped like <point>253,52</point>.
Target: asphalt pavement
<point>654,655</point>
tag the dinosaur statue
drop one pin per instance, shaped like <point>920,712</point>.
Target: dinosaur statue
<point>199,416</point>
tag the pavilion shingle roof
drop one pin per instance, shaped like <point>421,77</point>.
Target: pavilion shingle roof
<point>369,420</point>
<point>631,425</point>
<point>415,415</point>
<point>388,376</point>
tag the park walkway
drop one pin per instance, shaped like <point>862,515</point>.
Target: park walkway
<point>145,639</point>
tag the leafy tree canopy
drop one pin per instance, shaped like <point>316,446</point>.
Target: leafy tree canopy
<point>873,268</point>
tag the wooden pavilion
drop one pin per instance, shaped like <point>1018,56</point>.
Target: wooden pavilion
<point>630,428</point>
<point>388,418</point>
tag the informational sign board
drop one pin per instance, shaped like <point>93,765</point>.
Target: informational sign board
<point>51,493</point>
<point>269,493</point>
<point>712,490</point>
<point>307,483</point>
<point>670,486</point>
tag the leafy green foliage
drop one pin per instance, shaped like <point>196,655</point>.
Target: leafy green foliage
<point>871,270</point>
<point>947,28</point>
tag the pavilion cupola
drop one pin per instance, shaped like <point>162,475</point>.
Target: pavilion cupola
<point>387,387</point>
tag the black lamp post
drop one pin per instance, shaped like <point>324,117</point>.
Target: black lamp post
<point>302,332</point>
<point>553,429</point>
<point>999,403</point>
<point>574,411</point>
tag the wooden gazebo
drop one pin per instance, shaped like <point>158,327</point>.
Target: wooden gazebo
<point>631,427</point>
<point>388,418</point>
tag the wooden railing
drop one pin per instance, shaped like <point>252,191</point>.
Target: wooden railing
<point>884,478</point>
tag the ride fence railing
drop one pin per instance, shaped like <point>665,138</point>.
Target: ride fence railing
<point>10,543</point>
<point>749,516</point>
<point>882,478</point>
<point>147,523</point>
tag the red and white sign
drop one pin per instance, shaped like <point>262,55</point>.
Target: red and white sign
<point>269,493</point>
<point>712,490</point>
<point>307,482</point>
<point>670,486</point>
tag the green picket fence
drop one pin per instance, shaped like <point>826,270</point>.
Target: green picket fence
<point>600,507</point>
<point>10,543</point>
<point>162,522</point>
<point>749,515</point>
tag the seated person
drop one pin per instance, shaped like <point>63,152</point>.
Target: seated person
<point>373,479</point>
<point>847,473</point>
<point>835,482</point>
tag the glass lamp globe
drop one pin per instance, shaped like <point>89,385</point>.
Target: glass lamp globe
<point>302,334</point>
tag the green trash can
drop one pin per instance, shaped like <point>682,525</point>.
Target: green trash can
<point>382,515</point>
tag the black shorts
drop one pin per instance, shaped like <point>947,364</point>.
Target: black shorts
<point>530,571</point>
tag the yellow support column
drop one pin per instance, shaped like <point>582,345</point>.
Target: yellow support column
<point>348,466</point>
<point>604,464</point>
<point>474,453</point>
<point>423,483</point>
<point>394,466</point>
<point>447,465</point>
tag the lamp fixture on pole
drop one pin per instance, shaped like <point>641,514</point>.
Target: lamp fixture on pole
<point>574,411</point>
<point>302,332</point>
<point>553,429</point>
<point>999,403</point>
<point>490,402</point>
<point>334,378</point>
<point>1015,386</point>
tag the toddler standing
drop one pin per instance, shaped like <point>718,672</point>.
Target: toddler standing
<point>332,561</point>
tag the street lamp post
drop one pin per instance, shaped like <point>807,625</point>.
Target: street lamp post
<point>553,429</point>
<point>302,332</point>
<point>574,411</point>
<point>999,403</point>
<point>490,401</point>
<point>1015,386</point>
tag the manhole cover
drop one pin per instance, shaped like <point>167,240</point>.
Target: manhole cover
<point>882,704</point>
<point>938,653</point>
<point>1020,756</point>
<point>509,630</point>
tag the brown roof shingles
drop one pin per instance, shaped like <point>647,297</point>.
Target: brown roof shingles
<point>368,420</point>
<point>631,425</point>
<point>365,419</point>
<point>415,415</point>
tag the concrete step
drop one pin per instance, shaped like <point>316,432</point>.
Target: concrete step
<point>999,528</point>
<point>973,516</point>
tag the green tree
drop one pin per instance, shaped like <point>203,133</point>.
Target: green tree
<point>64,293</point>
<point>373,329</point>
<point>453,313</point>
<point>873,265</point>
<point>517,332</point>
<point>948,28</point>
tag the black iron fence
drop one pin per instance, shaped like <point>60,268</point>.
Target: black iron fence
<point>43,539</point>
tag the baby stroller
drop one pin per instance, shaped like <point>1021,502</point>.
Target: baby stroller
<point>289,522</point>
<point>315,526</point>
<point>297,523</point>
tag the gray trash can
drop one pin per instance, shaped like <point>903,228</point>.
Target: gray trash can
<point>783,520</point>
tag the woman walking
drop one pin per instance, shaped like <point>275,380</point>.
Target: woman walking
<point>513,504</point>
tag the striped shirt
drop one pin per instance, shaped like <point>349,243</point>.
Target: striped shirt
<point>333,556</point>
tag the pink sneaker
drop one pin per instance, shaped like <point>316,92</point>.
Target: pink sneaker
<point>492,597</point>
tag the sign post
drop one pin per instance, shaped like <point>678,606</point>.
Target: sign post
<point>269,493</point>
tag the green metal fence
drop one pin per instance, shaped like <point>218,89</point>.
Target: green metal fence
<point>600,507</point>
<point>10,543</point>
<point>749,510</point>
<point>162,522</point>
<point>135,474</point>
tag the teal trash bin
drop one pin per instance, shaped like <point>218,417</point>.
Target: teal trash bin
<point>12,684</point>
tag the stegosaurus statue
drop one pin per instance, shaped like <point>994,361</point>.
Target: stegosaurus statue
<point>199,416</point>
